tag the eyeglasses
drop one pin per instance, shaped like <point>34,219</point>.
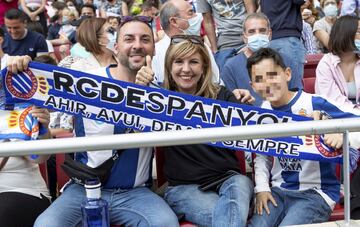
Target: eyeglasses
<point>144,19</point>
<point>192,38</point>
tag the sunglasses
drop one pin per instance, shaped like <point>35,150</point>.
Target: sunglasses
<point>192,38</point>
<point>144,19</point>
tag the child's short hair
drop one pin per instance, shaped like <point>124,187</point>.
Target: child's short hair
<point>46,59</point>
<point>265,53</point>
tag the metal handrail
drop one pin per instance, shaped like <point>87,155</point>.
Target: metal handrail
<point>168,138</point>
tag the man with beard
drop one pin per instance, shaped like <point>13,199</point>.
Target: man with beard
<point>131,202</point>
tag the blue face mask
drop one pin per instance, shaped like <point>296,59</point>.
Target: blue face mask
<point>257,41</point>
<point>65,20</point>
<point>357,44</point>
<point>330,10</point>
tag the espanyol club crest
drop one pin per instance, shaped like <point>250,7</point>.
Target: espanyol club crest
<point>22,85</point>
<point>24,121</point>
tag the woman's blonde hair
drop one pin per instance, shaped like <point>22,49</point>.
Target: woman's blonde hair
<point>205,88</point>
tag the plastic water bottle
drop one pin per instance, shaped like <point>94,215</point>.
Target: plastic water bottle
<point>94,210</point>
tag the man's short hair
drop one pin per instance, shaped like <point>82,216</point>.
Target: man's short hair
<point>16,14</point>
<point>259,16</point>
<point>265,53</point>
<point>134,19</point>
<point>168,10</point>
<point>88,5</point>
<point>147,5</point>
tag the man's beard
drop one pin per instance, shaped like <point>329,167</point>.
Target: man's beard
<point>124,60</point>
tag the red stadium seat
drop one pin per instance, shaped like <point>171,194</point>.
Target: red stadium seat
<point>311,62</point>
<point>309,85</point>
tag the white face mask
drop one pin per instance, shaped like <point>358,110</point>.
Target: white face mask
<point>112,41</point>
<point>194,25</point>
<point>330,10</point>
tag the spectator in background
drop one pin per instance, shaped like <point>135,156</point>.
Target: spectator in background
<point>22,186</point>
<point>286,25</point>
<point>18,39</point>
<point>35,9</point>
<point>337,74</point>
<point>257,34</point>
<point>88,10</point>
<point>308,39</point>
<point>4,7</point>
<point>229,18</point>
<point>36,27</point>
<point>131,7</point>
<point>111,8</point>
<point>54,7</point>
<point>113,22</point>
<point>178,17</point>
<point>308,12</point>
<point>149,9</point>
<point>98,39</point>
<point>65,28</point>
<point>71,6</point>
<point>350,7</point>
<point>322,27</point>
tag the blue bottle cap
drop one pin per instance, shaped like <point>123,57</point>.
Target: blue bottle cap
<point>92,183</point>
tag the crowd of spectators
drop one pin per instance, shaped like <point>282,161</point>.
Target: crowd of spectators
<point>245,51</point>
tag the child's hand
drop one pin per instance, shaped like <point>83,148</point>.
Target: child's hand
<point>244,96</point>
<point>42,115</point>
<point>334,140</point>
<point>262,199</point>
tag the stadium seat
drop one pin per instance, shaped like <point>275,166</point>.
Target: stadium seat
<point>309,84</point>
<point>311,62</point>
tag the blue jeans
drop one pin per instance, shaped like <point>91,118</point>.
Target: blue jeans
<point>293,52</point>
<point>228,208</point>
<point>134,207</point>
<point>293,208</point>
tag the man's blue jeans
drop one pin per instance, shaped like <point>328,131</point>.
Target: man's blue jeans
<point>134,207</point>
<point>293,208</point>
<point>293,52</point>
<point>228,208</point>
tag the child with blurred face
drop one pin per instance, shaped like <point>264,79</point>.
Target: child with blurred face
<point>270,81</point>
<point>292,191</point>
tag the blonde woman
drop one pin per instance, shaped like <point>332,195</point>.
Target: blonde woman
<point>188,70</point>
